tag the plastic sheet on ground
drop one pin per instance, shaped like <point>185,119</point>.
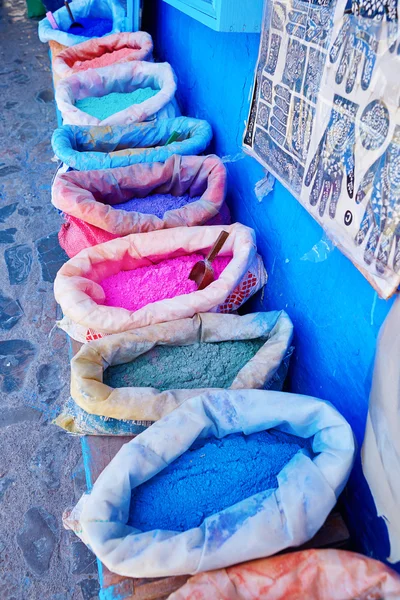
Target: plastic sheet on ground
<point>90,196</point>
<point>87,148</point>
<point>121,78</point>
<point>68,61</point>
<point>80,296</point>
<point>150,404</point>
<point>306,575</point>
<point>99,9</point>
<point>288,515</point>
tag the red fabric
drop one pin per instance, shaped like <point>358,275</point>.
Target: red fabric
<point>75,235</point>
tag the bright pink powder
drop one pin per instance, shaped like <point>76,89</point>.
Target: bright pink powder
<point>169,278</point>
<point>109,58</point>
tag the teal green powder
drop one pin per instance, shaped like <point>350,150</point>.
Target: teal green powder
<point>105,106</point>
<point>177,367</point>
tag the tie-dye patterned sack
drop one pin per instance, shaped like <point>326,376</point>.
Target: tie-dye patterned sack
<point>89,197</point>
<point>309,574</point>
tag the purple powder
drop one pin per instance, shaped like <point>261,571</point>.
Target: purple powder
<point>91,27</point>
<point>157,204</point>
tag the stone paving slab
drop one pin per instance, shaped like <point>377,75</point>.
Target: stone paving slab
<point>41,470</point>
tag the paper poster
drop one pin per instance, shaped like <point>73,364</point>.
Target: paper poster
<point>325,121</point>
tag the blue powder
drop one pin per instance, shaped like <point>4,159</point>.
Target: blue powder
<point>156,204</point>
<point>211,476</point>
<point>105,106</point>
<point>91,27</point>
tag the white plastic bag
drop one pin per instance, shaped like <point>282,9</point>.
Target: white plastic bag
<point>122,78</point>
<point>258,526</point>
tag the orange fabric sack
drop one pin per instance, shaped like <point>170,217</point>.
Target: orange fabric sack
<point>81,298</point>
<point>79,57</point>
<point>305,575</point>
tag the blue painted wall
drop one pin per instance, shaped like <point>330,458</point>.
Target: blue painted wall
<point>335,311</point>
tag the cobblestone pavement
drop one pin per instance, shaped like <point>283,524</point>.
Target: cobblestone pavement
<point>41,471</point>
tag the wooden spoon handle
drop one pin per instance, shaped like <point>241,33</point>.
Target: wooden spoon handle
<point>223,236</point>
<point>67,6</point>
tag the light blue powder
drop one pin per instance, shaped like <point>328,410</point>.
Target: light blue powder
<point>178,367</point>
<point>156,204</point>
<point>211,476</point>
<point>105,106</point>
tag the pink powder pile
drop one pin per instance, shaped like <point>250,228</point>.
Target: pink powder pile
<point>109,58</point>
<point>169,278</point>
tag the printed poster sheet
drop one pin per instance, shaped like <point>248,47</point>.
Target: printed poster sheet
<point>325,121</point>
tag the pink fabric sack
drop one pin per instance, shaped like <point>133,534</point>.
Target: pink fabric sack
<point>87,198</point>
<point>81,298</point>
<point>119,48</point>
<point>76,235</point>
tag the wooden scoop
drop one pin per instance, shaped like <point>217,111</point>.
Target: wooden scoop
<point>202,272</point>
<point>74,24</point>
